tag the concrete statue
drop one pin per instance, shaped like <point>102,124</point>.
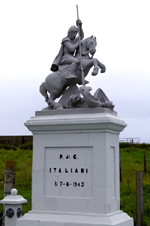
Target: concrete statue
<point>75,170</point>
<point>70,67</point>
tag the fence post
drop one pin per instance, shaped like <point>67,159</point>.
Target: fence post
<point>139,198</point>
<point>145,160</point>
<point>22,140</point>
<point>9,181</point>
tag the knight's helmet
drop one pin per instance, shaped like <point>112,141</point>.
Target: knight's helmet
<point>72,28</point>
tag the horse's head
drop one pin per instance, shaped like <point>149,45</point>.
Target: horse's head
<point>90,45</point>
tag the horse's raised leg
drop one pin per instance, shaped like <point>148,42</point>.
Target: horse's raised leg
<point>96,69</point>
<point>102,66</point>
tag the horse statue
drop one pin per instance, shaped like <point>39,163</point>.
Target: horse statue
<point>56,83</point>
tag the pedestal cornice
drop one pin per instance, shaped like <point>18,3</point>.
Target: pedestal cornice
<point>73,122</point>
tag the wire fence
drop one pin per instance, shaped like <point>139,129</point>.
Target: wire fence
<point>131,140</point>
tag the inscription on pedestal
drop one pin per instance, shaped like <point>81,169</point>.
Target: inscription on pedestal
<point>68,171</point>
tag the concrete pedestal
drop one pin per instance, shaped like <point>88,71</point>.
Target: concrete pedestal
<point>75,177</point>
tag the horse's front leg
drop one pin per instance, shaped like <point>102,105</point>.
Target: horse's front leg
<point>102,66</point>
<point>88,63</point>
<point>96,68</point>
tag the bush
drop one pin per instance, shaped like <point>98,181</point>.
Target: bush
<point>129,145</point>
<point>26,146</point>
<point>8,147</point>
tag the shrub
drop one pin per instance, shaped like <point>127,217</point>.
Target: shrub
<point>8,147</point>
<point>26,146</point>
<point>129,145</point>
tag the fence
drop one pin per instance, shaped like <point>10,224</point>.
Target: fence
<point>135,199</point>
<point>15,140</point>
<point>131,140</point>
<point>135,184</point>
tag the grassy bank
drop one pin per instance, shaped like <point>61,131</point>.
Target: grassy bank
<point>132,158</point>
<point>23,160</point>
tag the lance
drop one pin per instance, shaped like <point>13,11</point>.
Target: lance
<point>81,61</point>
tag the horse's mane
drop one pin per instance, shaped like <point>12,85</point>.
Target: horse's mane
<point>87,39</point>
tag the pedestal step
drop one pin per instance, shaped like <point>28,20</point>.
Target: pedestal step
<point>32,218</point>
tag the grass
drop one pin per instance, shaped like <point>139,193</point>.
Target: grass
<point>131,159</point>
<point>23,162</point>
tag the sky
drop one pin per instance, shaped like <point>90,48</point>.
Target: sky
<point>31,34</point>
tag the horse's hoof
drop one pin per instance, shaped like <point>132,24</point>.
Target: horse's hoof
<point>103,70</point>
<point>95,71</point>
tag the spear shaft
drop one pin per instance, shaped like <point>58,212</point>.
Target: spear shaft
<point>81,61</point>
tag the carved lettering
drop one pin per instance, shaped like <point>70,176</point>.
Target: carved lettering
<point>61,170</point>
<point>67,184</point>
<point>68,170</point>
<point>75,156</point>
<point>76,170</point>
<point>61,156</point>
<point>68,156</point>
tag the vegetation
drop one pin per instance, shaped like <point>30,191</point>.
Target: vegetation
<point>8,147</point>
<point>132,158</point>
<point>129,145</point>
<point>26,146</point>
<point>23,162</point>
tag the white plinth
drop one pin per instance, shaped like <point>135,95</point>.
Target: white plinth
<point>75,177</point>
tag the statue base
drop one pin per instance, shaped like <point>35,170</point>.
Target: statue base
<point>75,173</point>
<point>45,219</point>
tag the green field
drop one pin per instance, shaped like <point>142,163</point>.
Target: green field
<point>132,158</point>
<point>23,162</point>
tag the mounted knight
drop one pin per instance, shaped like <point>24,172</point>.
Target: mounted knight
<point>66,55</point>
<point>70,67</point>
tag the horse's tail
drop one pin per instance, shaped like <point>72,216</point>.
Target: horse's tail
<point>43,91</point>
